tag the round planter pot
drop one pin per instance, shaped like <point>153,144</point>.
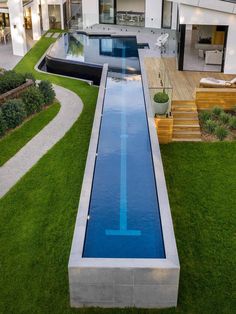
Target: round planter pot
<point>160,108</point>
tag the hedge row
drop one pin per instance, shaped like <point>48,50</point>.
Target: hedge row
<point>14,111</point>
<point>11,79</point>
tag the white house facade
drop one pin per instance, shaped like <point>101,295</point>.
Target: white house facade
<point>206,28</point>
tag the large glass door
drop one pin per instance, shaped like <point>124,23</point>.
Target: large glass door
<point>107,10</point>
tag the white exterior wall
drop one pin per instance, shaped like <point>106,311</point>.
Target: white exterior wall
<point>200,16</point>
<point>45,17</point>
<point>174,15</point>
<point>36,27</point>
<point>153,13</point>
<point>90,10</point>
<point>16,14</point>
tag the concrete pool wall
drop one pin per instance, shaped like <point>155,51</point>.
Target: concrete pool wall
<point>122,282</point>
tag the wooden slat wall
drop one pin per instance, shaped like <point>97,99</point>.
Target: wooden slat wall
<point>207,98</point>
<point>164,129</point>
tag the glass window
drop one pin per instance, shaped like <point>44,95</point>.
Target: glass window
<point>107,11</point>
<point>166,14</point>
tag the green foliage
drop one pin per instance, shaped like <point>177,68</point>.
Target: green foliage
<point>216,111</point>
<point>232,122</point>
<point>3,125</point>
<point>12,142</point>
<point>10,80</point>
<point>221,132</point>
<point>29,76</point>
<point>33,100</point>
<point>161,97</point>
<point>47,91</point>
<point>13,112</point>
<point>204,116</point>
<point>224,117</point>
<point>210,126</point>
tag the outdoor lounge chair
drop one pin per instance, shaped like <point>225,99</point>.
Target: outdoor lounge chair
<point>162,41</point>
<point>212,82</point>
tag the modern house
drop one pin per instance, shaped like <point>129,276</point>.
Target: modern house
<point>206,28</point>
<point>36,16</point>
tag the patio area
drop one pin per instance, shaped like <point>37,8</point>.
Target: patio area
<point>183,83</point>
<point>7,60</point>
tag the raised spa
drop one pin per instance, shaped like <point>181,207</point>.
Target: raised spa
<point>123,251</point>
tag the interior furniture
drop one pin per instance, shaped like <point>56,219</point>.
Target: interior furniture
<point>214,57</point>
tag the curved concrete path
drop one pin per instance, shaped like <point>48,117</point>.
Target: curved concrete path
<point>18,165</point>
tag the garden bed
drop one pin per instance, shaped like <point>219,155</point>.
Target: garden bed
<point>218,125</point>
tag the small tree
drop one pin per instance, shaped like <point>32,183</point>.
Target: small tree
<point>3,125</point>
<point>13,112</point>
<point>47,91</point>
<point>33,100</point>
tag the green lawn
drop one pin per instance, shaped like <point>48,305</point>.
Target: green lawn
<point>16,139</point>
<point>37,218</point>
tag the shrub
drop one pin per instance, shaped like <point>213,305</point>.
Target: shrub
<point>210,126</point>
<point>232,122</point>
<point>161,97</point>
<point>29,76</point>
<point>3,125</point>
<point>13,112</point>
<point>204,116</point>
<point>216,111</point>
<point>10,80</point>
<point>33,100</point>
<point>224,117</point>
<point>47,91</point>
<point>221,132</point>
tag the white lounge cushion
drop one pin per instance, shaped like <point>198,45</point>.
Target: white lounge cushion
<point>233,81</point>
<point>213,81</point>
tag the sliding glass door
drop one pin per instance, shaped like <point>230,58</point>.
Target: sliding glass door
<point>107,10</point>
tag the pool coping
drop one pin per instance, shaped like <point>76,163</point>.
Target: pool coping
<point>171,260</point>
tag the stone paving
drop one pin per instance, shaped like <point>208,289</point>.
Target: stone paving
<point>7,60</point>
<point>15,168</point>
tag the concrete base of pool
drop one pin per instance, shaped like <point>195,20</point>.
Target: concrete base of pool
<point>141,268</point>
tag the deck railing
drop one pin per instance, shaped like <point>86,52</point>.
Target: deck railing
<point>163,84</point>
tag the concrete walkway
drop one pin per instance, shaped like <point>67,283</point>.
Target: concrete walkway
<point>18,165</point>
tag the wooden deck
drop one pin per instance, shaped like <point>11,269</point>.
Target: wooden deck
<point>183,82</point>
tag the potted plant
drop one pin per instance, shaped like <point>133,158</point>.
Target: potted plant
<point>160,103</point>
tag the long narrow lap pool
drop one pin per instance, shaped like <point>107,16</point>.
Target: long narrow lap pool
<point>123,251</point>
<point>124,214</point>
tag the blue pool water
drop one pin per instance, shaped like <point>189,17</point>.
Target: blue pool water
<point>124,220</point>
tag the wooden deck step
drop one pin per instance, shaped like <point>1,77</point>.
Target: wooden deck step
<point>188,120</point>
<point>186,140</point>
<point>185,114</point>
<point>187,134</point>
<point>186,128</point>
<point>184,108</point>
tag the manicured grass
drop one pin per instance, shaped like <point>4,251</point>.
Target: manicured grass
<point>16,139</point>
<point>36,231</point>
<point>37,218</point>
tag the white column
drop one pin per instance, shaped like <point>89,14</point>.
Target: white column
<point>62,17</point>
<point>174,15</point>
<point>45,17</point>
<point>153,13</point>
<point>16,14</point>
<point>35,17</point>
